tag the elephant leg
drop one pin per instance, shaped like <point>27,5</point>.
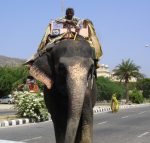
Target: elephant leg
<point>59,121</point>
<point>59,118</point>
<point>58,114</point>
<point>60,130</point>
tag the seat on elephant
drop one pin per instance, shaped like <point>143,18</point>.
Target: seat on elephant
<point>56,33</point>
<point>57,29</point>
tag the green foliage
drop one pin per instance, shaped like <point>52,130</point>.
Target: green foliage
<point>40,85</point>
<point>144,85</point>
<point>136,96</point>
<point>106,88</point>
<point>31,105</point>
<point>126,71</point>
<point>10,78</point>
<point>20,74</point>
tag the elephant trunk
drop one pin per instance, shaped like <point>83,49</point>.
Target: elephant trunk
<point>77,86</point>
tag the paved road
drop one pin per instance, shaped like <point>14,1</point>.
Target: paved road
<point>6,106</point>
<point>126,126</point>
<point>7,109</point>
<point>8,112</point>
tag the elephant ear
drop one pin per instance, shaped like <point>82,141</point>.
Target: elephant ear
<point>41,70</point>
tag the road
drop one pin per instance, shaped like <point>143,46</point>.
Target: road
<point>8,112</point>
<point>7,109</point>
<point>127,126</point>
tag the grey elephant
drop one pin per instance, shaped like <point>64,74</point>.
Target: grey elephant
<point>68,72</point>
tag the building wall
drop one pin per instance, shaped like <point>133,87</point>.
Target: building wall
<point>103,70</point>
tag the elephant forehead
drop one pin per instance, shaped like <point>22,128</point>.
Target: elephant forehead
<point>77,72</point>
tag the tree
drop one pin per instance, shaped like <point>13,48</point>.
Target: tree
<point>10,78</point>
<point>125,72</point>
<point>144,86</point>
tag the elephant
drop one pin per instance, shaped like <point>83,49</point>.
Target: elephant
<point>69,75</point>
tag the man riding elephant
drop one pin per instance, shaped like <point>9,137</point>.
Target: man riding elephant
<point>69,21</point>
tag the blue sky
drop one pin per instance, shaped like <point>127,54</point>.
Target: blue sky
<point>122,26</point>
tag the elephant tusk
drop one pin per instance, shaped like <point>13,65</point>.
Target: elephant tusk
<point>38,75</point>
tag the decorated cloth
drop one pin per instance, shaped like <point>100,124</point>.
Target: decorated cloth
<point>92,39</point>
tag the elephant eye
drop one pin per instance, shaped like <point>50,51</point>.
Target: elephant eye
<point>90,72</point>
<point>61,69</point>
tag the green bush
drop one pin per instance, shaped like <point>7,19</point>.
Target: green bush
<point>106,88</point>
<point>136,96</point>
<point>144,85</point>
<point>10,78</point>
<point>31,105</point>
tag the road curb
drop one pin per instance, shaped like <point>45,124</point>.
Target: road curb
<point>96,109</point>
<point>101,109</point>
<point>6,123</point>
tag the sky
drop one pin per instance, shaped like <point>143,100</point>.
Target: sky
<point>122,26</point>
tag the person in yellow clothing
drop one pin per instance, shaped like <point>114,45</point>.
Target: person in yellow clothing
<point>114,103</point>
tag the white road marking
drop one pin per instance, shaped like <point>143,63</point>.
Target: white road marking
<point>35,138</point>
<point>141,112</point>
<point>124,117</point>
<point>8,141</point>
<point>141,135</point>
<point>102,123</point>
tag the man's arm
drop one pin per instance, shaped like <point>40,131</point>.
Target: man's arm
<point>60,20</point>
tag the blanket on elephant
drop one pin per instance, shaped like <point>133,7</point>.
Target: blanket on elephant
<point>92,39</point>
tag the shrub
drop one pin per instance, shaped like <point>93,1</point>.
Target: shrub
<point>144,85</point>
<point>136,96</point>
<point>106,88</point>
<point>31,105</point>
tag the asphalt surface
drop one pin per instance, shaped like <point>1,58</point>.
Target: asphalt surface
<point>7,109</point>
<point>8,112</point>
<point>127,126</point>
<point>6,106</point>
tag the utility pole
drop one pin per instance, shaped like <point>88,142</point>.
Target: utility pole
<point>62,7</point>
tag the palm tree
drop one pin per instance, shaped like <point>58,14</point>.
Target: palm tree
<point>125,71</point>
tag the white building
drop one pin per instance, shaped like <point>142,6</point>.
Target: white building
<point>104,71</point>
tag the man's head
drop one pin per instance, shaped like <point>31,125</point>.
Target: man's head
<point>69,13</point>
